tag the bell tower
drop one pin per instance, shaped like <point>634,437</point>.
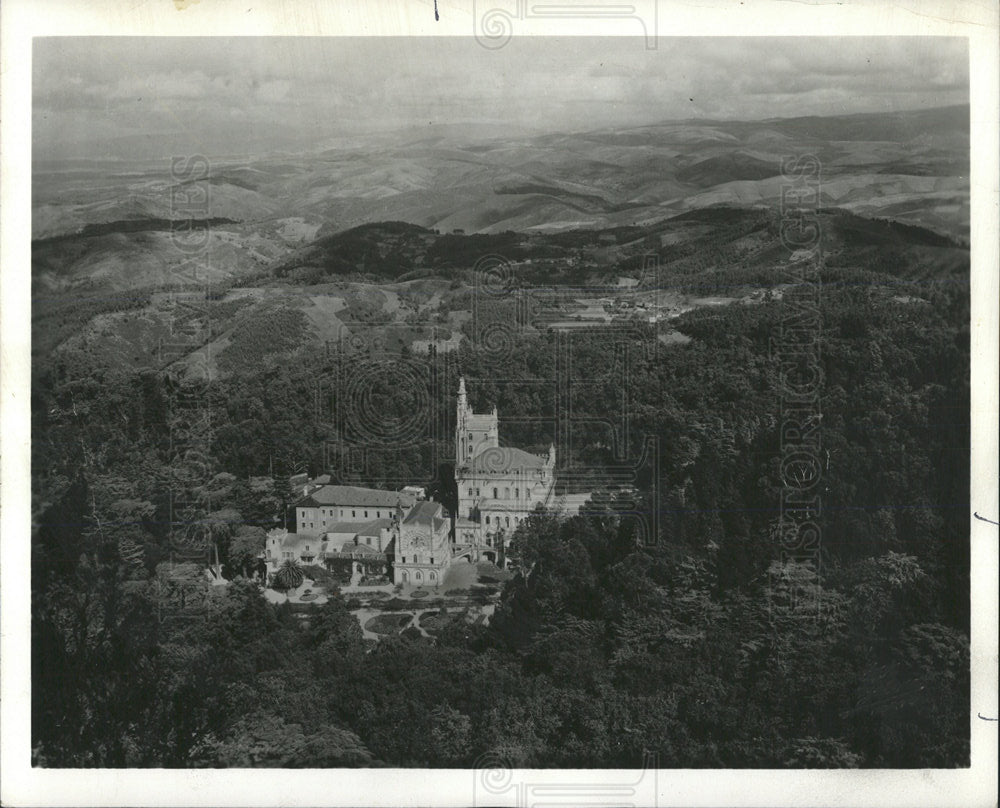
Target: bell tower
<point>461,417</point>
<point>474,431</point>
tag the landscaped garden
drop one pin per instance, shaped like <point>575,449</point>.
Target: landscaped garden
<point>388,623</point>
<point>433,622</point>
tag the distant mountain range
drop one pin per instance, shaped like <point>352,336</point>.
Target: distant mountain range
<point>910,167</point>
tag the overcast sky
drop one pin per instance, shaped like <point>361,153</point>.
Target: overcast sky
<point>151,97</point>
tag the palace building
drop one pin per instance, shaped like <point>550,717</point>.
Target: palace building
<point>498,486</point>
<point>324,505</point>
<point>369,533</point>
<point>423,549</point>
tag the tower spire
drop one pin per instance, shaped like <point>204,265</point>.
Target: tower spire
<point>461,412</point>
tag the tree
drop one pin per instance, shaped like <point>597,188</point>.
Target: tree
<point>266,740</point>
<point>289,576</point>
<point>245,548</point>
<point>451,735</point>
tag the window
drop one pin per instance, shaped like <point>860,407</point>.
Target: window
<point>366,514</point>
<point>430,575</point>
<point>495,494</point>
<point>369,541</point>
<point>378,514</point>
<point>354,514</point>
<point>310,525</point>
<point>417,576</point>
<point>506,493</point>
<point>487,520</point>
<point>404,574</point>
<point>470,492</point>
<point>477,492</point>
<point>517,493</point>
<point>432,561</point>
<point>507,520</point>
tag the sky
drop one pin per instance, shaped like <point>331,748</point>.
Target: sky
<point>150,97</point>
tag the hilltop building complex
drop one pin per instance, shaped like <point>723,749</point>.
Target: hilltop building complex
<point>400,535</point>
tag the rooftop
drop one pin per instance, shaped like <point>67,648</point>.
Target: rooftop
<point>290,541</point>
<point>504,460</point>
<point>349,547</point>
<point>426,513</point>
<point>353,495</point>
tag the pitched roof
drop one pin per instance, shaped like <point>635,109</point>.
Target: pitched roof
<point>426,513</point>
<point>348,546</point>
<point>504,460</point>
<point>375,527</point>
<point>353,495</point>
<point>294,540</point>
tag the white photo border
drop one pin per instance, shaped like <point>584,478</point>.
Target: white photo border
<point>22,20</point>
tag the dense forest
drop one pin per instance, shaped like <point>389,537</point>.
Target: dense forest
<point>704,645</point>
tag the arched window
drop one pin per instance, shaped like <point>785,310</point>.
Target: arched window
<point>417,576</point>
<point>506,493</point>
<point>495,494</point>
<point>430,576</point>
<point>517,493</point>
<point>507,520</point>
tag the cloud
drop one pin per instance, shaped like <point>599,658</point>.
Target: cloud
<point>328,86</point>
<point>176,84</point>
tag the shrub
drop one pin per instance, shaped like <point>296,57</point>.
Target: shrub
<point>387,623</point>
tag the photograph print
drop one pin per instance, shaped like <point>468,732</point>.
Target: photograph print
<point>542,403</point>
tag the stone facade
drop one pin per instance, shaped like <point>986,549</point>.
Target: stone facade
<point>423,548</point>
<point>498,486</point>
<point>325,505</point>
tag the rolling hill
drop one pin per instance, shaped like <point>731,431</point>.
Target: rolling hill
<point>564,208</point>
